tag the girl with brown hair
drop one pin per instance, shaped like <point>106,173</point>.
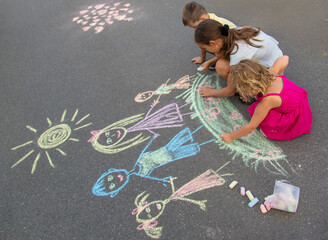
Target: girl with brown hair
<point>231,46</point>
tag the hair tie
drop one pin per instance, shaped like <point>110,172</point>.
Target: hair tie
<point>225,30</point>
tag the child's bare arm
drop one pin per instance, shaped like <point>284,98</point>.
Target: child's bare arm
<point>280,65</point>
<point>261,111</point>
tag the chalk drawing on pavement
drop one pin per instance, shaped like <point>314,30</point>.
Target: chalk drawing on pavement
<point>165,88</point>
<point>52,138</point>
<point>181,146</point>
<point>220,115</point>
<point>147,213</point>
<point>125,133</point>
<point>98,16</point>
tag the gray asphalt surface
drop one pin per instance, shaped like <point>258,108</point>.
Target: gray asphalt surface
<point>49,64</point>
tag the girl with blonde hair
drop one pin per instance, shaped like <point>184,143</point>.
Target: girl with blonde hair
<point>282,109</point>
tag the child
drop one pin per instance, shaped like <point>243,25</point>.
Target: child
<point>194,13</point>
<point>234,44</point>
<point>281,111</point>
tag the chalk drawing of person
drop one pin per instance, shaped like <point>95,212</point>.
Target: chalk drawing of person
<point>182,83</point>
<point>148,213</point>
<point>113,138</point>
<point>114,180</point>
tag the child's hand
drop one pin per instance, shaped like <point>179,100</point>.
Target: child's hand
<point>226,137</point>
<point>197,60</point>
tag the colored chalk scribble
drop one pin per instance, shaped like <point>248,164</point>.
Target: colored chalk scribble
<point>165,88</point>
<point>180,146</point>
<point>98,16</point>
<point>124,134</point>
<point>147,213</point>
<point>52,138</point>
<point>221,116</point>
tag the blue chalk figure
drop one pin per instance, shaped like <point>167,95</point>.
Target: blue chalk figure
<point>114,180</point>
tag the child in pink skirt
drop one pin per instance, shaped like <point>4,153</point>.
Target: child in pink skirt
<point>282,109</point>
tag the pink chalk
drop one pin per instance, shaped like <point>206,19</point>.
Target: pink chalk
<point>263,209</point>
<point>242,191</point>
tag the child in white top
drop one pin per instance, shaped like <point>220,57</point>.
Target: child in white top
<point>234,45</point>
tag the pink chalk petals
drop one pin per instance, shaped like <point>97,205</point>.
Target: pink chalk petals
<point>103,14</point>
<point>98,29</point>
<point>211,113</point>
<point>271,155</point>
<point>212,100</point>
<point>236,115</point>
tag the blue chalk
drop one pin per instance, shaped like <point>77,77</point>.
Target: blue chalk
<point>253,202</point>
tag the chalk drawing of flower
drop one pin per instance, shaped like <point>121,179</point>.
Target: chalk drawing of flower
<point>197,88</point>
<point>212,100</point>
<point>211,113</point>
<point>271,155</point>
<point>235,115</point>
<point>100,15</point>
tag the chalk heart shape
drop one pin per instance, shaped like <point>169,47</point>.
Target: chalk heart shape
<point>211,113</point>
<point>99,6</point>
<point>244,137</point>
<point>83,12</point>
<point>235,115</point>
<point>98,29</point>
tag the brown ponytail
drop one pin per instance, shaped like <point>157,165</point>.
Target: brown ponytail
<point>209,30</point>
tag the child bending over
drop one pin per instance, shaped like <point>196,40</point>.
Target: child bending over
<point>194,13</point>
<point>234,45</point>
<point>282,109</point>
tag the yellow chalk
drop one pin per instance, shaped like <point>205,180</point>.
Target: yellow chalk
<point>233,184</point>
<point>249,195</point>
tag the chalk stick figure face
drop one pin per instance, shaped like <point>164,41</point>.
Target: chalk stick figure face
<point>142,97</point>
<point>110,137</point>
<point>111,182</point>
<point>152,211</point>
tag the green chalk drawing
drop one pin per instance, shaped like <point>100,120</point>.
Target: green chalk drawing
<point>219,115</point>
<point>52,138</point>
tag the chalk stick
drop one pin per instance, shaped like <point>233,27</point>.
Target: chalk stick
<point>242,191</point>
<point>253,202</point>
<point>200,68</point>
<point>249,195</point>
<point>268,206</point>
<point>233,184</point>
<point>263,209</point>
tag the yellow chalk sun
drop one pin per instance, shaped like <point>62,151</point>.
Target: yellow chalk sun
<point>52,138</point>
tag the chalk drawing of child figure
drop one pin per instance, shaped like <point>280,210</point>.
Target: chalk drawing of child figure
<point>182,83</point>
<point>114,180</point>
<point>148,213</point>
<point>109,140</point>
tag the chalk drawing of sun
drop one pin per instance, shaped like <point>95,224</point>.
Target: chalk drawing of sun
<point>52,138</point>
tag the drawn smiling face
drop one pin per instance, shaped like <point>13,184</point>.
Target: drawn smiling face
<point>111,182</point>
<point>111,136</point>
<point>151,212</point>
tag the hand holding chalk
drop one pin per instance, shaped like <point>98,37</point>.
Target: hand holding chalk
<point>226,137</point>
<point>200,68</point>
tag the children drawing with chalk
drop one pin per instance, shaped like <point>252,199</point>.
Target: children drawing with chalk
<point>194,13</point>
<point>282,109</point>
<point>234,45</point>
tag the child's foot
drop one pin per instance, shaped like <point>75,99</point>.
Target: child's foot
<point>208,92</point>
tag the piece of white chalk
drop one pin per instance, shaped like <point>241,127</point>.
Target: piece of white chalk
<point>200,68</point>
<point>242,191</point>
<point>233,184</point>
<point>253,202</point>
<point>249,195</point>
